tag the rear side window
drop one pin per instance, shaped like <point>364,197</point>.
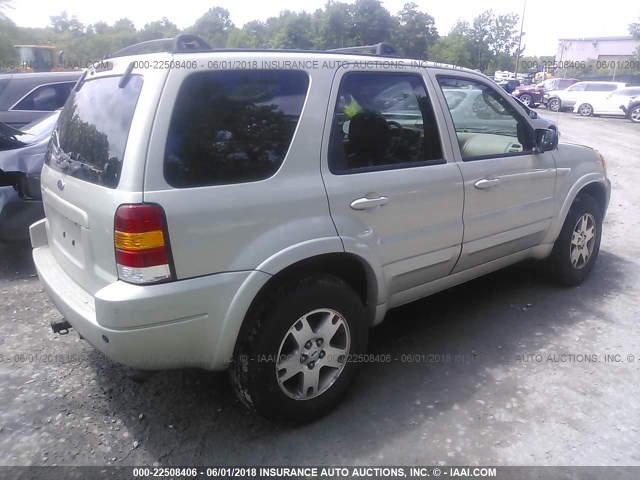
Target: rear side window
<point>90,138</point>
<point>232,126</point>
<point>46,98</point>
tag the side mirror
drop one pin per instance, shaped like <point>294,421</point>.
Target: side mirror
<point>546,139</point>
<point>532,114</point>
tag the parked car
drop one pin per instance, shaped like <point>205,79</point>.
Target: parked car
<point>531,95</point>
<point>471,102</point>
<point>613,104</point>
<point>632,109</point>
<point>509,85</point>
<point>196,218</point>
<point>21,159</point>
<point>25,97</point>
<point>558,100</point>
<point>539,121</point>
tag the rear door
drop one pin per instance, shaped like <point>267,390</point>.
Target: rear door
<point>508,189</point>
<point>95,163</point>
<point>394,191</point>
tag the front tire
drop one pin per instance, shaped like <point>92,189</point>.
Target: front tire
<point>527,100</point>
<point>576,249</point>
<point>586,110</point>
<point>634,114</point>
<point>292,362</point>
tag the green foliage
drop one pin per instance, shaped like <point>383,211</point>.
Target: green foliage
<point>416,31</point>
<point>489,42</point>
<point>454,49</point>
<point>634,29</point>
<point>214,26</point>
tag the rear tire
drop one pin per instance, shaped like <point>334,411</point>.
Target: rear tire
<point>554,105</point>
<point>634,114</point>
<point>576,249</point>
<point>292,361</point>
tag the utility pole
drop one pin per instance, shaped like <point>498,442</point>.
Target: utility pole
<point>524,11</point>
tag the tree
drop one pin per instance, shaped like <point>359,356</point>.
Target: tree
<point>493,40</point>
<point>159,29</point>
<point>62,23</point>
<point>297,30</point>
<point>336,25</point>
<point>258,32</point>
<point>101,28</point>
<point>416,31</point>
<point>372,23</point>
<point>453,49</point>
<point>124,25</point>
<point>634,29</point>
<point>214,26</point>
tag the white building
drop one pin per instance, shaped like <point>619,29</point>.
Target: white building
<point>596,48</point>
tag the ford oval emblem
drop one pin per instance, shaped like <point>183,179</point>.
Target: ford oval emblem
<point>60,184</point>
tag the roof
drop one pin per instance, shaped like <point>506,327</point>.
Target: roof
<point>596,39</point>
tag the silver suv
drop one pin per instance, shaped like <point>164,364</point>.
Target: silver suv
<point>260,210</point>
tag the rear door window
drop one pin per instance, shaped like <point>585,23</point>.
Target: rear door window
<point>232,126</point>
<point>90,138</point>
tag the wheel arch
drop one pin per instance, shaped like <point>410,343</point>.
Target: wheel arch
<point>589,186</point>
<point>354,270</point>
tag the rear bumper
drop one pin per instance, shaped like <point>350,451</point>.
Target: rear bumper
<point>187,323</point>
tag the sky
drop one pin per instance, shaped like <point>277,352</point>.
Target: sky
<point>545,22</point>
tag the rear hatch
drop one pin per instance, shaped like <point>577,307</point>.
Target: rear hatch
<point>95,163</point>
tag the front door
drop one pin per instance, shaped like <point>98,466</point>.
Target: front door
<point>509,189</point>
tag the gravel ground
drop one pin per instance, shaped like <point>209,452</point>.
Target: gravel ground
<point>515,372</point>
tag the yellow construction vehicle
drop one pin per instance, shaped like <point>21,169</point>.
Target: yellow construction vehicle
<point>38,58</point>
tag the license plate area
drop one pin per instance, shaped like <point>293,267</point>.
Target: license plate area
<point>67,237</point>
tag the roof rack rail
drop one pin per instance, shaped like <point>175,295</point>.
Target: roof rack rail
<point>383,49</point>
<point>181,43</point>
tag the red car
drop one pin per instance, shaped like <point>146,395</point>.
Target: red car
<point>531,95</point>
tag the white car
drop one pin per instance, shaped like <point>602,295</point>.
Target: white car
<point>612,104</point>
<point>559,100</point>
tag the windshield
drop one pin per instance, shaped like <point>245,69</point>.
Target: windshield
<point>90,139</point>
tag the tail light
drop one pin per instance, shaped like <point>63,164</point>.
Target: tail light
<point>143,254</point>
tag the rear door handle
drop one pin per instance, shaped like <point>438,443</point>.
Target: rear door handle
<point>487,183</point>
<point>364,203</point>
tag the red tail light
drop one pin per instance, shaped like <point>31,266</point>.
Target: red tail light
<point>143,254</point>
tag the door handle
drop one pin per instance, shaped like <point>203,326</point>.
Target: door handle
<point>364,203</point>
<point>487,183</point>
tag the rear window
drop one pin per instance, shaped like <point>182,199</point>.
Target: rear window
<point>232,126</point>
<point>91,136</point>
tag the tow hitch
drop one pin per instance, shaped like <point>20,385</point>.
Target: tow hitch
<point>60,326</point>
